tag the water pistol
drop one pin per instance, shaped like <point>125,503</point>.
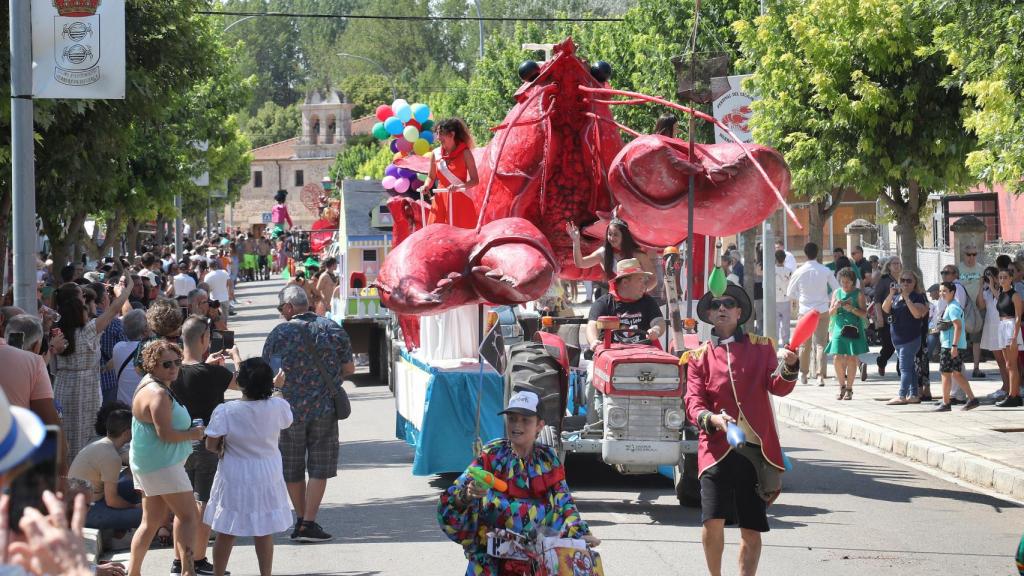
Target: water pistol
<point>484,477</point>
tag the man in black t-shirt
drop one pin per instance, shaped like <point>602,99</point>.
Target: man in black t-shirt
<point>200,388</point>
<point>629,301</point>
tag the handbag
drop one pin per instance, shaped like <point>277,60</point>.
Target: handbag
<point>941,326</point>
<point>342,406</point>
<point>850,331</point>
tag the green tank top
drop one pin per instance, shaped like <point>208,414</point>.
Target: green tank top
<point>148,452</point>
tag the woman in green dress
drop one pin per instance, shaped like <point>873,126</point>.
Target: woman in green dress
<point>848,311</point>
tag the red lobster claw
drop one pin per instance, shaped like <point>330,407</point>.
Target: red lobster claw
<point>650,179</point>
<point>441,267</point>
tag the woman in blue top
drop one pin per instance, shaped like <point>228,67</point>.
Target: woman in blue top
<point>161,442</point>
<point>953,341</point>
<point>906,307</point>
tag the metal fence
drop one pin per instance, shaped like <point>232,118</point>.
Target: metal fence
<point>929,260</point>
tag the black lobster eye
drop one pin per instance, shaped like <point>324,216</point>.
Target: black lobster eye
<point>602,71</point>
<point>529,70</point>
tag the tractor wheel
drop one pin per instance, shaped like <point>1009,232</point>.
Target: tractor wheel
<point>550,436</point>
<point>686,482</point>
<point>532,368</point>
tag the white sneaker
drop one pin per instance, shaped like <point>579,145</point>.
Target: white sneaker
<point>996,396</point>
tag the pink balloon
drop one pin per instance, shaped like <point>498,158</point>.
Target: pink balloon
<point>388,182</point>
<point>401,185</point>
<point>404,145</point>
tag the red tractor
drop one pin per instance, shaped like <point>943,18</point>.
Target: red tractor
<point>630,412</point>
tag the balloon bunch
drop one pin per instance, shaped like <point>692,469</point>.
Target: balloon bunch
<point>406,128</point>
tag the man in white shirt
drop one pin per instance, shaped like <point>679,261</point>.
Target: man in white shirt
<point>783,305</point>
<point>790,262</point>
<point>183,283</point>
<point>970,276</point>
<point>811,286</point>
<point>217,279</point>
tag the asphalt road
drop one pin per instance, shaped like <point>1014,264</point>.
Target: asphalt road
<point>843,511</point>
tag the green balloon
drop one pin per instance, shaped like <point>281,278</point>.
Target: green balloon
<point>426,125</point>
<point>379,132</point>
<point>717,282</point>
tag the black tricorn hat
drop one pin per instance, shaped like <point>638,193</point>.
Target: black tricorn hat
<point>732,290</point>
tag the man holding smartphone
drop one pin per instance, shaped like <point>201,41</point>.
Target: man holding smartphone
<point>200,387</point>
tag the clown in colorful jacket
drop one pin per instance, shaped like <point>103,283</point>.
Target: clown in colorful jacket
<point>537,496</point>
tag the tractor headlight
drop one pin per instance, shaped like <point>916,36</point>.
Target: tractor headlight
<point>617,417</point>
<point>673,419</point>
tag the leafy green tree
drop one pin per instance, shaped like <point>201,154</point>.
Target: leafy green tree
<point>984,42</point>
<point>349,162</point>
<point>852,105</point>
<point>365,92</point>
<point>273,123</point>
<point>123,161</point>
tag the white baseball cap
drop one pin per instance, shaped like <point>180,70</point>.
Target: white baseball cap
<point>522,402</point>
<point>21,432</point>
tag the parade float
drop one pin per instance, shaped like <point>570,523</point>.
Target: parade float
<point>559,157</point>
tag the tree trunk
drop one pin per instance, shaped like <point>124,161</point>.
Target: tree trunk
<point>818,214</point>
<point>132,238</point>
<point>62,240</point>
<point>159,235</point>
<point>908,223</point>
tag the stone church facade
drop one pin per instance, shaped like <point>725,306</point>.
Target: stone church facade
<point>297,165</point>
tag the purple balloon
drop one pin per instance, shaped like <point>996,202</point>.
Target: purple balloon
<point>394,146</point>
<point>393,170</point>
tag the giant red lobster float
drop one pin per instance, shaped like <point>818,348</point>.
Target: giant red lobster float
<point>557,157</point>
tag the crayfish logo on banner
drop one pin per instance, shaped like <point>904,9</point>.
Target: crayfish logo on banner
<point>76,42</point>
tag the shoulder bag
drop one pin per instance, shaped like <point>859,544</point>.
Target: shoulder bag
<point>342,406</point>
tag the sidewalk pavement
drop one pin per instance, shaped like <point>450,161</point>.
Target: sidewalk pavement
<point>984,446</point>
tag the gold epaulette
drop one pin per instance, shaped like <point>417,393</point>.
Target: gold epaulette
<point>694,353</point>
<point>758,339</point>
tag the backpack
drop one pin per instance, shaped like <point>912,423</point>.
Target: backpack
<point>973,320</point>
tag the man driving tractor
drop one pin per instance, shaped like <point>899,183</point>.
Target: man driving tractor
<point>628,299</point>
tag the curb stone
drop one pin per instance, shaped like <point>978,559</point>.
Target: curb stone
<point>967,467</point>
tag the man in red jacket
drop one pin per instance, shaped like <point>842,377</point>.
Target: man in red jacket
<point>729,379</point>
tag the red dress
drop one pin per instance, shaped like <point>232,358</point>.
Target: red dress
<point>461,207</point>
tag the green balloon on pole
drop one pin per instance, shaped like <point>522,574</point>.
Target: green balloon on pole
<point>717,282</point>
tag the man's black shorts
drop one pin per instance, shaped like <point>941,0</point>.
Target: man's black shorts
<point>727,491</point>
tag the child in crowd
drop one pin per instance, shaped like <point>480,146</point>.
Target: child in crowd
<point>249,497</point>
<point>954,344</point>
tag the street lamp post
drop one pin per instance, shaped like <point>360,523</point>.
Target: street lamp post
<point>394,93</point>
<point>480,20</point>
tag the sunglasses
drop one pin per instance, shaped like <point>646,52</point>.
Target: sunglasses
<point>168,363</point>
<point>280,307</point>
<point>906,280</point>
<point>970,253</point>
<point>944,272</point>
<point>727,303</point>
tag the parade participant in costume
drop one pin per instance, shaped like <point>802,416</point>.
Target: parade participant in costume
<point>453,167</point>
<point>729,380</point>
<point>537,495</point>
<point>628,300</point>
<point>618,245</point>
<point>279,213</point>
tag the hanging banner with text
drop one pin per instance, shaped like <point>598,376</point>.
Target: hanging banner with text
<point>78,49</point>
<point>733,110</point>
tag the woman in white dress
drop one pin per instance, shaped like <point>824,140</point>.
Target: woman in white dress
<point>986,303</point>
<point>249,497</point>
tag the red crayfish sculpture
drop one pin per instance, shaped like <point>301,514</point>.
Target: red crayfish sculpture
<point>558,157</point>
